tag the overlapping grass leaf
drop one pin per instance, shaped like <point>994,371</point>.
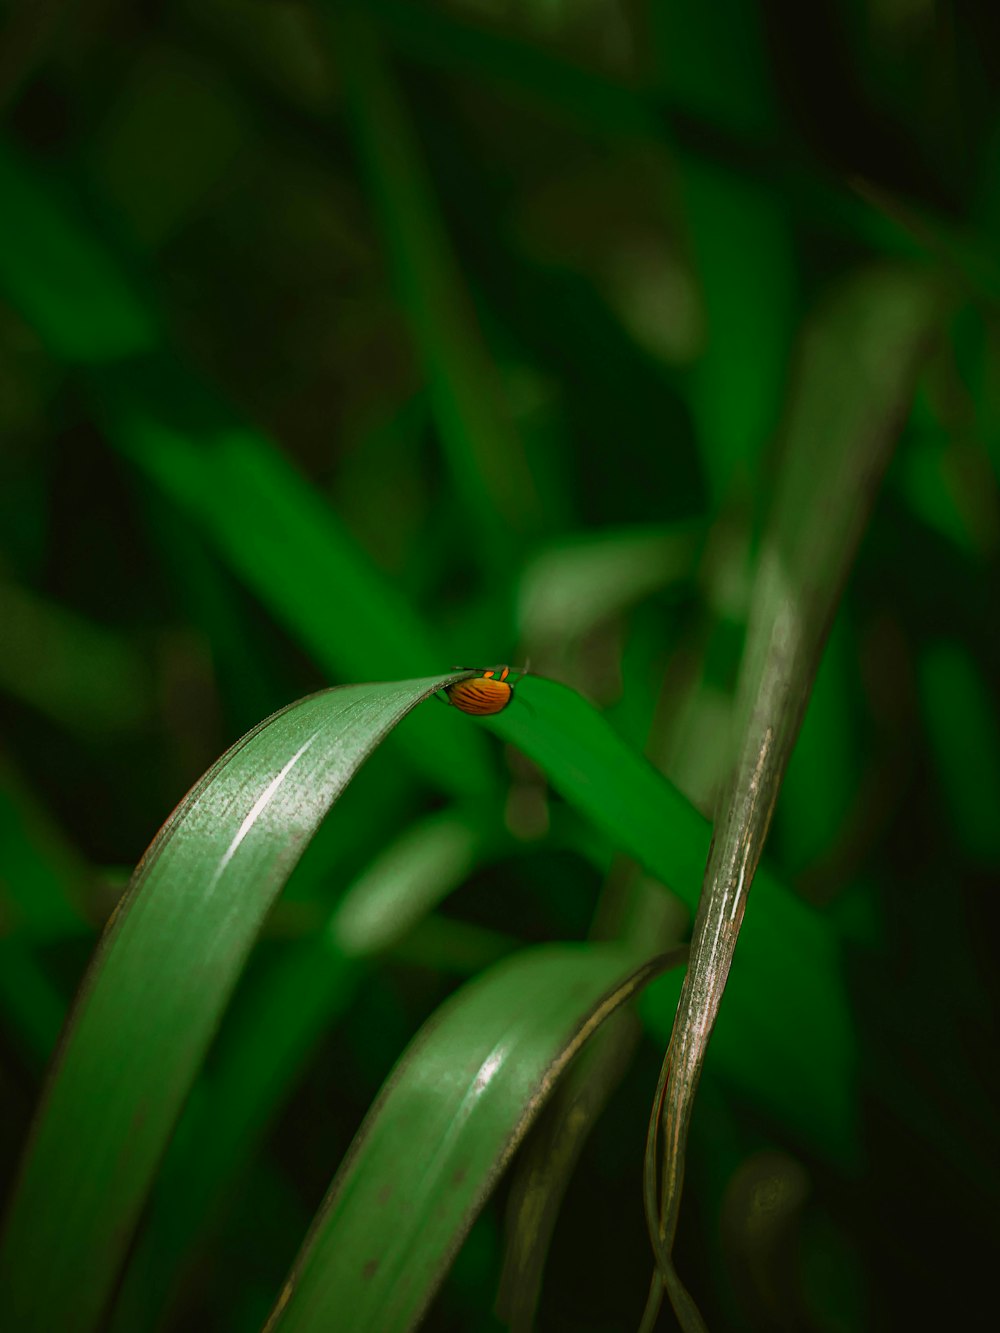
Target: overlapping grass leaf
<point>156,988</point>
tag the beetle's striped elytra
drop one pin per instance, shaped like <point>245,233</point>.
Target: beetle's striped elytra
<point>482,695</point>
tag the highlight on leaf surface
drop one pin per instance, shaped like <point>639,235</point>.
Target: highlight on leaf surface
<point>157,985</point>
<point>271,1030</point>
<point>443,1128</point>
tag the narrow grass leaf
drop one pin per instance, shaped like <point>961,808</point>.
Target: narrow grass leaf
<point>643,916</point>
<point>401,886</point>
<point>266,1041</point>
<point>859,361</point>
<point>261,1055</point>
<point>748,294</point>
<point>484,455</point>
<point>569,587</point>
<point>618,789</point>
<point>789,949</point>
<point>155,991</point>
<point>67,284</point>
<point>443,1128</point>
<point>549,1158</point>
<point>288,546</point>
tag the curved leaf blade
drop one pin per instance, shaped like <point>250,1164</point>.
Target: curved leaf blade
<point>788,948</point>
<point>443,1128</point>
<point>861,356</point>
<point>156,988</point>
<point>268,1037</point>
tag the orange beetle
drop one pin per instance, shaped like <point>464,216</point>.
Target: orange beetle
<point>482,695</point>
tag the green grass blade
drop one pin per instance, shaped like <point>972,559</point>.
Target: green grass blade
<point>747,289</point>
<point>483,453</point>
<point>549,1158</point>
<point>788,950</point>
<point>443,1128</point>
<point>410,877</point>
<point>63,279</point>
<point>267,1039</point>
<point>576,583</point>
<point>642,916</point>
<point>856,381</point>
<point>612,784</point>
<point>288,546</point>
<point>262,1053</point>
<point>157,986</point>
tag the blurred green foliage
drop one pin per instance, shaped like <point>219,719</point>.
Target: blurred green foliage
<point>344,342</point>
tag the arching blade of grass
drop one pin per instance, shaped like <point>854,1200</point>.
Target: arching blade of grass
<point>268,1037</point>
<point>859,362</point>
<point>156,988</point>
<point>443,1128</point>
<point>645,917</point>
<point>790,950</point>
